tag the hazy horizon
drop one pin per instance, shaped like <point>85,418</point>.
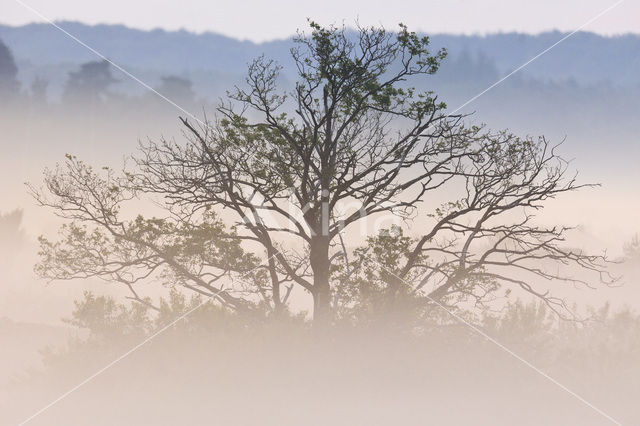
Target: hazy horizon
<point>285,37</point>
<point>450,17</point>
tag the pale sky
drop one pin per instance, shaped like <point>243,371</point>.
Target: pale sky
<point>260,20</point>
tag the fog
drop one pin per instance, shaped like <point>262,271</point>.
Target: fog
<point>81,351</point>
<point>286,376</point>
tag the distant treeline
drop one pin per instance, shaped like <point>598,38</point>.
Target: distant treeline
<point>45,60</point>
<point>586,57</point>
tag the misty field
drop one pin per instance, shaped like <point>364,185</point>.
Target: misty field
<point>345,236</point>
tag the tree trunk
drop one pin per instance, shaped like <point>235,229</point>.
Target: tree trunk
<point>275,285</point>
<point>319,254</point>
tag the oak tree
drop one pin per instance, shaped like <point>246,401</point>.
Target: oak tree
<point>282,163</point>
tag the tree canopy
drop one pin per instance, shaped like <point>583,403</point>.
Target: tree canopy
<point>263,194</point>
<point>90,83</point>
<point>8,72</point>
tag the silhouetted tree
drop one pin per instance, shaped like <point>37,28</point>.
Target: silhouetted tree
<point>9,85</point>
<point>286,164</point>
<point>90,83</point>
<point>12,235</point>
<point>177,89</point>
<point>39,91</point>
<point>632,249</point>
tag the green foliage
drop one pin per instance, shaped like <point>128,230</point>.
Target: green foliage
<point>106,323</point>
<point>606,338</point>
<point>107,320</point>
<point>101,243</point>
<point>368,73</point>
<point>529,328</point>
<point>368,288</point>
